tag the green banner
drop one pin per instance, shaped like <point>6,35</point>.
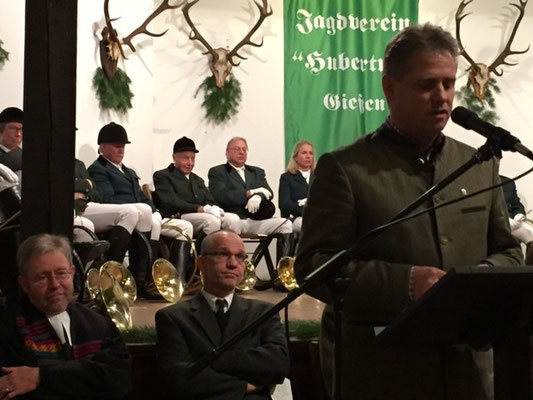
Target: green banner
<point>333,65</point>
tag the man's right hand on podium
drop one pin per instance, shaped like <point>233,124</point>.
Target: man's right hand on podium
<point>422,278</point>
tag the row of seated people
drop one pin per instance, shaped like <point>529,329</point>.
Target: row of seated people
<point>54,348</point>
<point>108,198</point>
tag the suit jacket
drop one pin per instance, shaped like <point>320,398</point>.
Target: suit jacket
<point>117,187</point>
<point>361,186</point>
<point>292,187</point>
<point>104,375</point>
<point>229,190</point>
<point>84,184</point>
<point>177,194</point>
<point>189,330</point>
<point>514,206</point>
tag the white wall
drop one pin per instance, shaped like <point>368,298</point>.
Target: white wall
<point>167,71</point>
<point>484,34</point>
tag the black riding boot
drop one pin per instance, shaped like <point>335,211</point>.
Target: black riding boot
<point>141,260</point>
<point>119,240</point>
<point>180,257</point>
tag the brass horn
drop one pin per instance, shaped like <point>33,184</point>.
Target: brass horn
<point>167,280</point>
<point>249,278</point>
<point>193,284</point>
<point>113,290</point>
<point>285,269</point>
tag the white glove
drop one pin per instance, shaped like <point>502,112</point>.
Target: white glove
<point>263,191</point>
<point>156,215</point>
<point>515,224</point>
<point>214,210</point>
<point>302,202</point>
<point>219,211</point>
<point>8,175</point>
<point>524,233</point>
<point>253,204</point>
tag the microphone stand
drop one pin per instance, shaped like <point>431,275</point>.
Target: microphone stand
<point>331,268</point>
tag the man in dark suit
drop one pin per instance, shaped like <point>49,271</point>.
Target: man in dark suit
<point>119,184</point>
<point>243,189</point>
<point>514,205</point>
<point>51,347</point>
<point>189,330</point>
<point>361,186</point>
<point>520,228</point>
<point>180,191</point>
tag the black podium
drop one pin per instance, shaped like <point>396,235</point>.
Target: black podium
<point>479,307</point>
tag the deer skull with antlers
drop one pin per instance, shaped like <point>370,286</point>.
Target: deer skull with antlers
<point>479,74</point>
<point>111,45</point>
<point>222,61</point>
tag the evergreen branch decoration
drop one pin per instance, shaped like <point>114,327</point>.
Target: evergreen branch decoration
<point>221,103</point>
<point>113,94</point>
<point>4,55</point>
<point>485,109</point>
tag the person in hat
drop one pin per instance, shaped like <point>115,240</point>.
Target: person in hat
<point>118,184</point>
<point>180,191</point>
<point>243,189</point>
<point>11,129</point>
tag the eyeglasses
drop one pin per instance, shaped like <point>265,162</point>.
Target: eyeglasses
<point>224,256</point>
<point>15,129</point>
<point>239,149</point>
<point>61,276</point>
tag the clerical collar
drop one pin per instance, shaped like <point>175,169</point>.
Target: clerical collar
<point>61,324</point>
<point>211,299</point>
<point>4,148</point>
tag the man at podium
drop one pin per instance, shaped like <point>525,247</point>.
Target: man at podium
<point>363,185</point>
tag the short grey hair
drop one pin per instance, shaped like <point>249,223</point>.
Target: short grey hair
<point>234,139</point>
<point>208,242</point>
<point>37,245</point>
<point>413,39</point>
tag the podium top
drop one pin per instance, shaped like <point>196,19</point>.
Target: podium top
<point>469,305</point>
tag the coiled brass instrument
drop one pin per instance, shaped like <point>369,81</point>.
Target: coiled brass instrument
<point>284,269</point>
<point>175,286</point>
<point>112,290</point>
<point>167,280</point>
<point>249,278</point>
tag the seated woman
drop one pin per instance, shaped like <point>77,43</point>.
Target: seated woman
<point>294,184</point>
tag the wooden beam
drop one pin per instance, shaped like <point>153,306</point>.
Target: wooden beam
<point>49,116</point>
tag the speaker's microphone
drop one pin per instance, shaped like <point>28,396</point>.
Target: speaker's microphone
<point>469,120</point>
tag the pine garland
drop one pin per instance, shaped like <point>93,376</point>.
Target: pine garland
<point>302,330</point>
<point>221,103</point>
<point>485,109</point>
<point>113,94</point>
<point>4,55</point>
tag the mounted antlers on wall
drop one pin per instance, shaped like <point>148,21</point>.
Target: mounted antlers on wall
<point>222,60</point>
<point>111,45</point>
<point>479,74</point>
<point>110,82</point>
<point>222,95</point>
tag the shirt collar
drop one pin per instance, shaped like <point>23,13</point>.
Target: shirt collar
<point>119,166</point>
<point>211,299</point>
